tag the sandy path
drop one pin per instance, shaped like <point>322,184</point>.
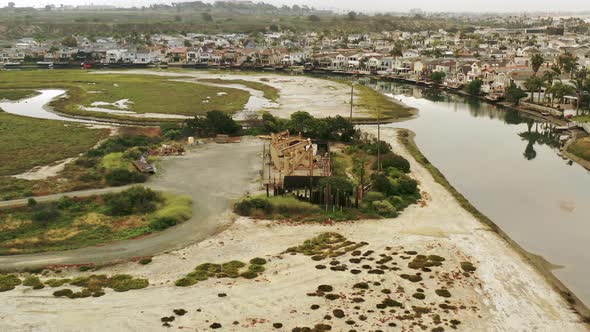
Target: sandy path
<point>504,294</point>
<point>197,174</point>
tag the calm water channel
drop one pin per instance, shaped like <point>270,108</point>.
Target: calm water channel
<point>508,167</point>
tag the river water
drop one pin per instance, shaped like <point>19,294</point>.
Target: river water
<point>508,167</point>
<point>35,107</point>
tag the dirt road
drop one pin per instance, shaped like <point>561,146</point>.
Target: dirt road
<point>213,175</point>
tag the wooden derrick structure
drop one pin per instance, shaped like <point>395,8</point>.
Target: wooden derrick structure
<point>296,155</point>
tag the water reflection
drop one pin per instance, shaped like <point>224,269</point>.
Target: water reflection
<point>478,109</point>
<point>546,136</point>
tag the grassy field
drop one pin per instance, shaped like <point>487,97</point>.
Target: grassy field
<point>270,92</point>
<point>146,93</point>
<point>26,142</point>
<point>581,148</point>
<point>582,118</point>
<point>16,94</point>
<point>72,223</point>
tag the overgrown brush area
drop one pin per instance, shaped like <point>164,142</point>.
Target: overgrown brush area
<point>110,164</point>
<point>354,166</point>
<point>71,223</point>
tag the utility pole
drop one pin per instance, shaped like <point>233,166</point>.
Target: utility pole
<point>378,141</point>
<point>351,95</point>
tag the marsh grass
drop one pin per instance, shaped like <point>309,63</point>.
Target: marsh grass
<point>580,148</point>
<point>18,94</point>
<point>27,142</point>
<point>148,93</point>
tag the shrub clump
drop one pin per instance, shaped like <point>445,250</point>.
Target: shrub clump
<point>422,261</point>
<point>468,267</point>
<point>63,293</point>
<point>135,200</point>
<point>338,313</point>
<point>162,223</point>
<point>258,261</point>
<point>275,206</point>
<point>327,245</point>
<point>120,177</point>
<point>57,282</point>
<point>8,282</point>
<point>93,285</point>
<point>34,282</point>
<point>125,282</point>
<point>361,285</point>
<point>145,261</point>
<point>443,293</point>
<point>231,269</point>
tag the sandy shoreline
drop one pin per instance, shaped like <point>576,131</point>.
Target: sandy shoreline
<point>505,293</point>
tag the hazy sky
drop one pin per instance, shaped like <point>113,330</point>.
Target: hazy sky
<point>368,5</point>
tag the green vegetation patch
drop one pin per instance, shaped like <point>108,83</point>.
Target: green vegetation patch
<point>326,245</point>
<point>71,223</point>
<point>231,269</point>
<point>582,118</point>
<point>93,285</point>
<point>580,148</point>
<point>8,282</point>
<point>34,282</point>
<point>17,94</point>
<point>380,105</point>
<point>57,282</point>
<point>27,142</point>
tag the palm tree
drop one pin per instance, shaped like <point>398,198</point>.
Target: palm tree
<point>536,62</point>
<point>579,84</point>
<point>534,84</point>
<point>561,90</point>
<point>548,77</point>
